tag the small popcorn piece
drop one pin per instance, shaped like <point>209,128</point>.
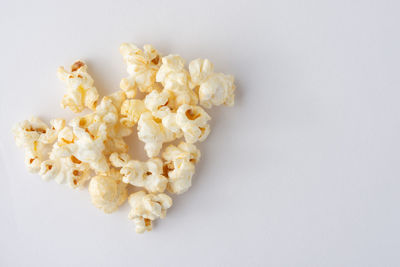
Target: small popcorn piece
<point>108,192</point>
<point>147,174</point>
<point>213,88</point>
<point>193,122</point>
<point>81,92</point>
<point>153,134</point>
<point>34,135</point>
<point>131,110</point>
<point>142,67</point>
<point>146,208</point>
<point>175,79</point>
<point>179,166</point>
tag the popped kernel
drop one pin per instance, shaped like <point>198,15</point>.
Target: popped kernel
<point>81,92</point>
<point>146,208</point>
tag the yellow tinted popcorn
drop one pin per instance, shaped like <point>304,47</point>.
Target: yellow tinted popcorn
<point>131,110</point>
<point>81,92</point>
<point>108,192</point>
<point>92,148</point>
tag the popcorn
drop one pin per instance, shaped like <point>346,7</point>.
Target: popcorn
<point>142,67</point>
<point>69,170</point>
<point>33,135</point>
<point>193,122</point>
<point>179,166</point>
<point>81,91</point>
<point>175,79</point>
<point>147,174</point>
<point>131,110</point>
<point>108,192</point>
<point>92,148</point>
<point>153,134</point>
<point>87,148</point>
<point>213,88</point>
<point>200,70</point>
<point>146,208</point>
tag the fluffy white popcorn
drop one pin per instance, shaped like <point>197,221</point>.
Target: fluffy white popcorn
<point>69,170</point>
<point>142,67</point>
<point>108,192</point>
<point>81,92</point>
<point>193,122</point>
<point>153,134</point>
<point>145,208</point>
<point>131,110</point>
<point>175,79</point>
<point>148,174</point>
<point>213,88</point>
<point>33,135</point>
<point>179,166</point>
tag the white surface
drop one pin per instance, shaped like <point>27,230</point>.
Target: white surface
<point>303,171</point>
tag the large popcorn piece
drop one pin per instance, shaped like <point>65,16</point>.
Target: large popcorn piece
<point>213,88</point>
<point>92,149</point>
<point>179,166</point>
<point>142,66</point>
<point>108,192</point>
<point>147,174</point>
<point>81,92</point>
<point>145,208</point>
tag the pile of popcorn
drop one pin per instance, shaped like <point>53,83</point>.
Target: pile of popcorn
<point>91,148</point>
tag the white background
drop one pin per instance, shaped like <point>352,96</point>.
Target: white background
<point>303,171</point>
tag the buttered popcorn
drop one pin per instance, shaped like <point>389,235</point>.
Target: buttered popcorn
<point>92,149</point>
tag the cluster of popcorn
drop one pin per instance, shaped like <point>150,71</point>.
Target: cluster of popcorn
<point>91,148</point>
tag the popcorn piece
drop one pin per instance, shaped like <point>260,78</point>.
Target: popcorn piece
<point>175,79</point>
<point>86,147</point>
<point>193,122</point>
<point>108,192</point>
<point>146,208</point>
<point>147,174</point>
<point>33,135</point>
<point>69,170</point>
<point>131,110</point>
<point>80,89</point>
<point>142,67</point>
<point>157,103</point>
<point>213,88</point>
<point>153,134</point>
<point>179,166</point>
<point>200,70</point>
